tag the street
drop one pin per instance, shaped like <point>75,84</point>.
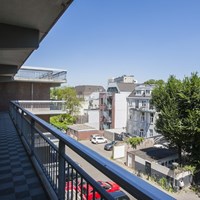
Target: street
<point>92,171</point>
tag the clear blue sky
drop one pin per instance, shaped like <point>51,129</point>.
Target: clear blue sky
<point>98,39</point>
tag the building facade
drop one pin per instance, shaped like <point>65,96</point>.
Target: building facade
<point>113,105</point>
<point>141,114</point>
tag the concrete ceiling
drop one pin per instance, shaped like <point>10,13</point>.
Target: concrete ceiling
<point>23,25</point>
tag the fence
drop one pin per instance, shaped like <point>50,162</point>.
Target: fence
<point>57,170</point>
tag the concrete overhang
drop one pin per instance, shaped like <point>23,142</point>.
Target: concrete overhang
<point>23,25</point>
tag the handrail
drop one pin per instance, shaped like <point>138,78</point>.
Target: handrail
<point>129,182</point>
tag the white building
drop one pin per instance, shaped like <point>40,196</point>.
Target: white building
<point>113,104</point>
<point>141,114</point>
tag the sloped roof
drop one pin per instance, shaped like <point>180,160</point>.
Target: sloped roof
<point>126,87</point>
<point>87,90</point>
<point>141,87</point>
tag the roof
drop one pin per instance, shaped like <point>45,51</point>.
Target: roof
<point>120,87</point>
<point>86,90</point>
<point>153,153</point>
<point>126,87</point>
<point>23,26</point>
<point>81,127</point>
<point>141,87</point>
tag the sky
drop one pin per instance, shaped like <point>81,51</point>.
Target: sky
<point>95,40</point>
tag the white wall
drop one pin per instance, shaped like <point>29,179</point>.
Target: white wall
<point>120,110</point>
<point>119,151</point>
<point>93,118</point>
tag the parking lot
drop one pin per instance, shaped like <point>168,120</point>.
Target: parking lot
<point>98,148</point>
<point>92,171</point>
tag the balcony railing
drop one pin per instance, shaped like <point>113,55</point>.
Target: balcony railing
<point>41,74</point>
<point>44,107</point>
<point>53,164</point>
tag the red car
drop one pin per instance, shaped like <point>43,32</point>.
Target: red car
<point>72,191</point>
<point>109,186</point>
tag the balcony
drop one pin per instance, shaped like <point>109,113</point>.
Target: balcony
<point>44,107</point>
<point>51,161</point>
<point>36,74</point>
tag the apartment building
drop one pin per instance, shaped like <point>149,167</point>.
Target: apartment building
<point>141,114</point>
<point>113,105</point>
<point>89,111</point>
<point>90,96</point>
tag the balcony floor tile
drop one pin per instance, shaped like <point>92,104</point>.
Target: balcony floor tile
<point>18,179</point>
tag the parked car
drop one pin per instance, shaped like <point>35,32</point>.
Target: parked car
<point>99,139</point>
<point>93,136</point>
<point>72,191</point>
<point>109,146</point>
<point>109,186</point>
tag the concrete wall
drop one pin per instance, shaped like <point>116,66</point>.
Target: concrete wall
<point>23,91</point>
<point>82,135</point>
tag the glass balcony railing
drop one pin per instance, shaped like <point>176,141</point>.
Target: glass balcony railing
<point>41,74</point>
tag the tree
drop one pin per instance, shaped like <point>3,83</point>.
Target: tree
<point>72,106</point>
<point>68,94</point>
<point>152,82</point>
<point>189,107</point>
<point>178,106</point>
<point>134,141</point>
<point>62,121</point>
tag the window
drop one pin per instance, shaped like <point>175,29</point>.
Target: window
<point>144,103</point>
<point>138,91</point>
<point>141,132</point>
<point>151,118</point>
<point>142,117</point>
<point>150,132</point>
<point>137,104</point>
<point>101,101</point>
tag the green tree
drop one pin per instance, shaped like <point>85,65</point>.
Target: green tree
<point>153,81</point>
<point>72,106</point>
<point>189,107</point>
<point>134,141</point>
<point>62,121</point>
<point>178,106</point>
<point>165,99</point>
<point>68,94</point>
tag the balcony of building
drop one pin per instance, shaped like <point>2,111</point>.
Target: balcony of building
<point>35,74</point>
<point>34,167</point>
<point>44,107</point>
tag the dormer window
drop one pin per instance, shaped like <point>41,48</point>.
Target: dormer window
<point>138,91</point>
